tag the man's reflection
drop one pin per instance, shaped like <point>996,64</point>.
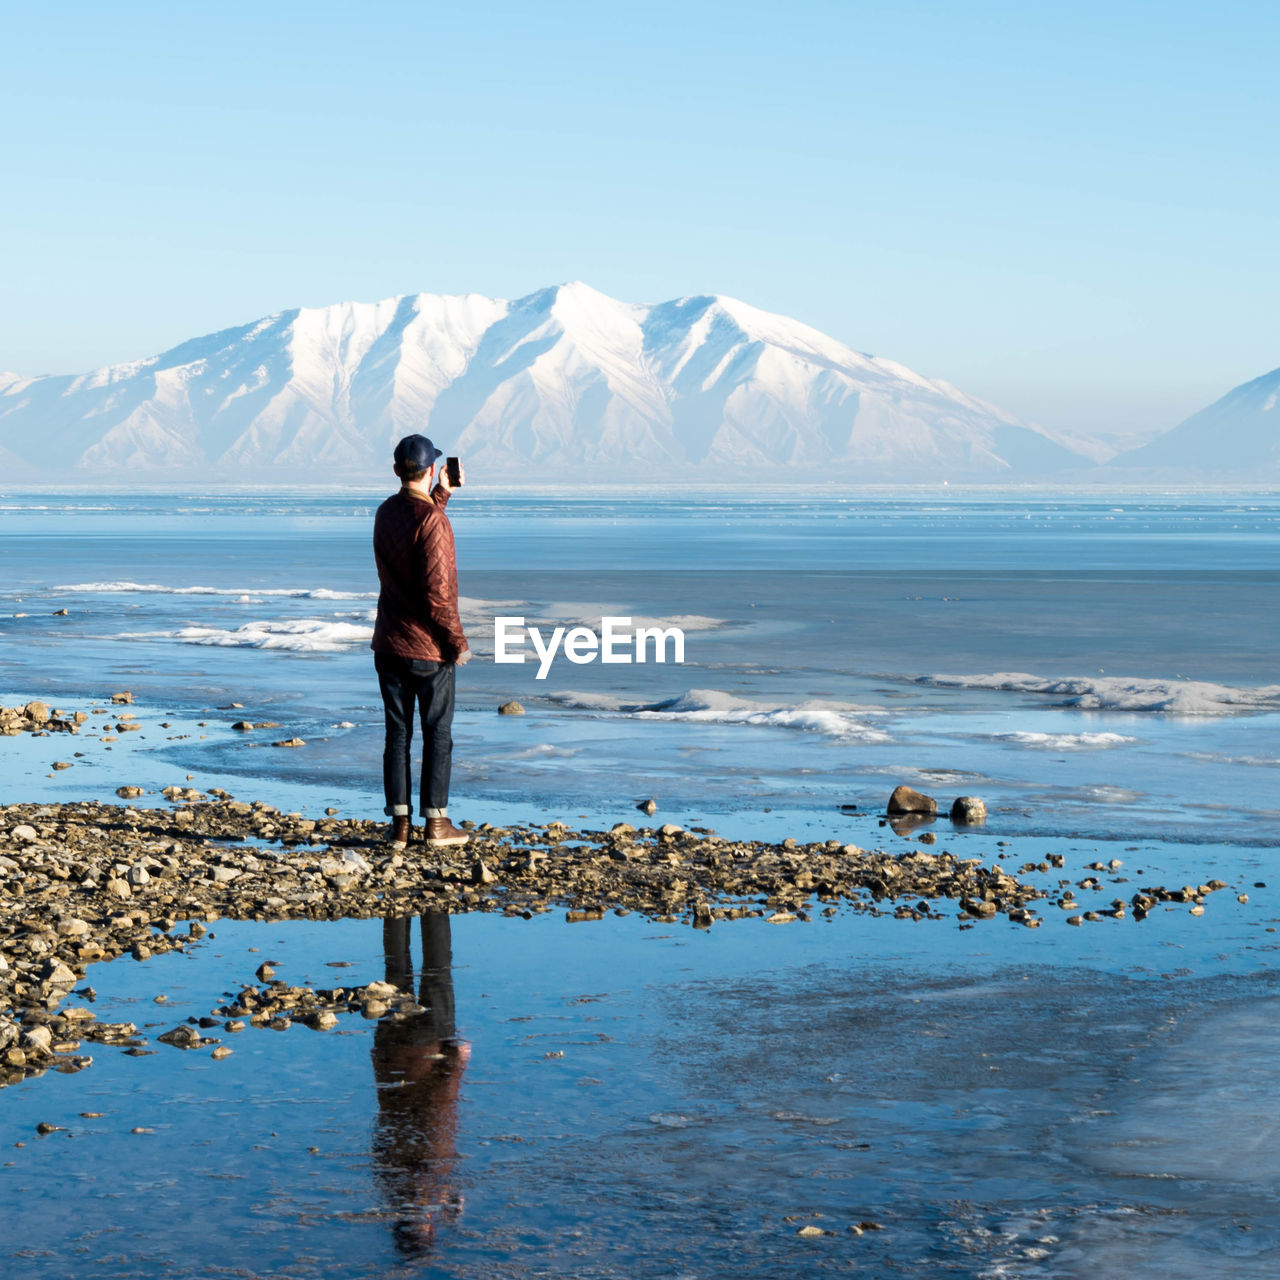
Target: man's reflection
<point>418,1064</point>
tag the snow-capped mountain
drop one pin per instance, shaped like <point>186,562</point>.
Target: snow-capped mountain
<point>1237,435</point>
<point>565,383</point>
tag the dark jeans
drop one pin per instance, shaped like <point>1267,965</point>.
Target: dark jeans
<point>404,682</point>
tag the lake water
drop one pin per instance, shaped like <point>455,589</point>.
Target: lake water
<point>1002,1102</point>
<point>1088,665</point>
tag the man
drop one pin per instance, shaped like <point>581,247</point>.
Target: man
<point>417,640</point>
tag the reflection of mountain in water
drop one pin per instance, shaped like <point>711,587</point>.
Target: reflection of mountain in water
<point>417,1067</point>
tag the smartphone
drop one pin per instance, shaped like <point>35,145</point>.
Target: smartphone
<point>453,471</point>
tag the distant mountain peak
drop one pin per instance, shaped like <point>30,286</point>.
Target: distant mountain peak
<point>565,382</point>
<point>1239,433</point>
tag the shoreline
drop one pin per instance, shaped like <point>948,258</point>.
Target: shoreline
<point>90,881</point>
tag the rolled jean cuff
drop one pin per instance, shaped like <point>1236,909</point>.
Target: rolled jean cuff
<point>398,810</point>
<point>435,813</point>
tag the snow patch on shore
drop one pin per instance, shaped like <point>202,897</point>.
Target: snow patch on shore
<point>155,588</point>
<point>303,635</point>
<point>1125,693</point>
<point>1065,741</point>
<point>542,751</point>
<point>712,706</point>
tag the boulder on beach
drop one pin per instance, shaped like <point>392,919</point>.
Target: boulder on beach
<point>512,708</point>
<point>906,800</point>
<point>969,811</point>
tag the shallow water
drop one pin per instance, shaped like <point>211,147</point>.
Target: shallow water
<point>648,1100</point>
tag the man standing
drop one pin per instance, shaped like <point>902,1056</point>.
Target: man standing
<point>417,639</point>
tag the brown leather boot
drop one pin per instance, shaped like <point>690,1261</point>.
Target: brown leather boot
<point>442,831</point>
<point>401,830</point>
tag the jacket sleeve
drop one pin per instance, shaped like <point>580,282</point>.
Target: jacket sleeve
<point>440,583</point>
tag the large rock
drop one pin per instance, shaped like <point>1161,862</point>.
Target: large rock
<point>511,708</point>
<point>968,811</point>
<point>906,800</point>
<point>36,712</point>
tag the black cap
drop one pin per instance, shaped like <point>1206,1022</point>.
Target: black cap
<point>417,451</point>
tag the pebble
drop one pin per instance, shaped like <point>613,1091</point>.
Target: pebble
<point>182,1037</point>
<point>37,1040</point>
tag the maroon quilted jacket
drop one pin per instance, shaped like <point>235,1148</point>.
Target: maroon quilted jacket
<point>418,603</point>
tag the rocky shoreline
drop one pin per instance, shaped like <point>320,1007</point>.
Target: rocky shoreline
<point>90,881</point>
<point>85,882</point>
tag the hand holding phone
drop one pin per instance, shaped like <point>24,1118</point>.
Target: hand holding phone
<point>453,473</point>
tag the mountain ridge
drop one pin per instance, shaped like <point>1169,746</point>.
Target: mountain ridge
<point>564,383</point>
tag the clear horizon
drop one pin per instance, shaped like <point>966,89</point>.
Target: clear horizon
<point>1068,215</point>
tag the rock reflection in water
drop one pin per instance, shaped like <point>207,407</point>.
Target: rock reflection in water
<point>418,1063</point>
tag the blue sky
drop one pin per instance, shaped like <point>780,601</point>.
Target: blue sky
<point>1068,209</point>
